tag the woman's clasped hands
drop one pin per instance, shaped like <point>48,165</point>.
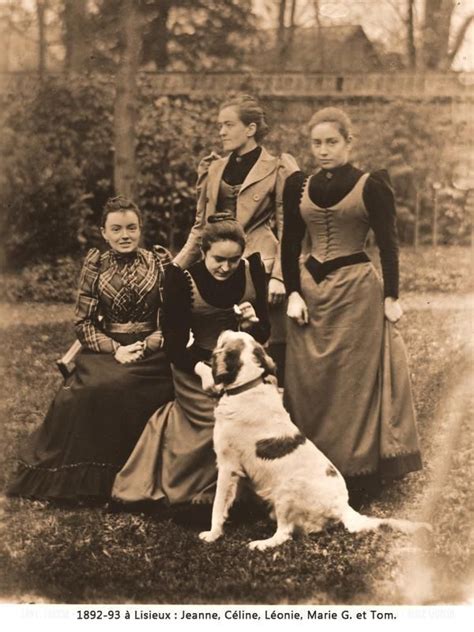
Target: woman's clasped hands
<point>130,353</point>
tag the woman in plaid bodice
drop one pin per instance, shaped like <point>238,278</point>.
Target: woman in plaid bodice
<point>121,374</point>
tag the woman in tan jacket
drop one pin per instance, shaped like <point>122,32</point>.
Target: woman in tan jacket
<point>249,183</point>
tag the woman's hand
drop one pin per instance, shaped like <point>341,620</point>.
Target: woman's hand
<point>130,353</point>
<point>207,381</point>
<point>276,292</point>
<point>392,309</point>
<point>297,309</point>
<point>247,316</point>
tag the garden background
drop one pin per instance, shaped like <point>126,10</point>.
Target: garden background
<point>111,116</point>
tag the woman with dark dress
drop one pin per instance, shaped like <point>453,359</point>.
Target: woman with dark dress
<point>121,375</point>
<point>248,182</point>
<point>174,459</point>
<point>347,381</point>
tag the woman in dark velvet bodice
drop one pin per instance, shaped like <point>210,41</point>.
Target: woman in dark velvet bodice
<point>174,460</point>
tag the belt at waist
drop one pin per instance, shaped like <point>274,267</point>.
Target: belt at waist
<point>320,270</point>
<point>129,328</point>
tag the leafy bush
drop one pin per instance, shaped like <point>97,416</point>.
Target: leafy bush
<point>57,154</point>
<point>43,282</point>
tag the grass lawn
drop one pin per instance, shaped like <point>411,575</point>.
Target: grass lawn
<point>85,555</point>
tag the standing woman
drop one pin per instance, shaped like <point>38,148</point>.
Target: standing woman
<point>347,380</point>
<point>248,183</point>
<point>174,459</point>
<point>121,374</point>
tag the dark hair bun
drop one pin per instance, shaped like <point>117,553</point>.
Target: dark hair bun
<point>223,216</point>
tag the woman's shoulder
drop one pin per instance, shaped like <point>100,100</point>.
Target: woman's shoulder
<point>288,164</point>
<point>206,162</point>
<point>380,177</point>
<point>294,182</point>
<point>255,265</point>
<point>254,260</point>
<point>162,254</point>
<point>176,276</point>
<point>95,259</point>
<point>378,183</point>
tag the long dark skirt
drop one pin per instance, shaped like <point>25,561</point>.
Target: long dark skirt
<point>347,380</point>
<point>91,427</point>
<point>174,458</point>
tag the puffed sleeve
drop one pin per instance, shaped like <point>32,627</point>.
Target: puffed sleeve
<point>261,330</point>
<point>86,322</point>
<point>380,204</point>
<point>176,319</point>
<point>287,165</point>
<point>294,230</point>
<point>163,258</point>
<point>190,253</point>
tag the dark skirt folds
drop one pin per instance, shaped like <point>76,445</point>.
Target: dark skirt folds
<point>174,459</point>
<point>347,380</point>
<point>91,427</point>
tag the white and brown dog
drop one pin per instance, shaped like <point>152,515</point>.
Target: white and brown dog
<point>254,437</point>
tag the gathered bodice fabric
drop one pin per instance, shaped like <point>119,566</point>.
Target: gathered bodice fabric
<point>227,198</point>
<point>119,289</point>
<point>339,230</point>
<point>209,321</point>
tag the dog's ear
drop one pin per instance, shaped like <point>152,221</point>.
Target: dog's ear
<point>264,360</point>
<point>227,362</point>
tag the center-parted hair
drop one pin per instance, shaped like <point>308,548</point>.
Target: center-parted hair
<point>122,204</point>
<point>222,227</point>
<point>335,116</point>
<point>249,111</point>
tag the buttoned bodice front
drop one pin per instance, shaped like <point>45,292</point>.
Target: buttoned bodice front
<point>338,230</point>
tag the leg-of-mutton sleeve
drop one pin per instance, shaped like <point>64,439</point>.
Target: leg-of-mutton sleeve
<point>287,166</point>
<point>380,204</point>
<point>294,230</point>
<point>86,322</point>
<point>261,330</point>
<point>162,256</point>
<point>176,319</point>
<point>191,253</point>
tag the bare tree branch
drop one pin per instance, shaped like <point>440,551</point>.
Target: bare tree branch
<point>459,39</point>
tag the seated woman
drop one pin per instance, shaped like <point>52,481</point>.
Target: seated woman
<point>121,376</point>
<point>174,458</point>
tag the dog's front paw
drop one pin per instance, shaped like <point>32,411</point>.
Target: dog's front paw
<point>259,545</point>
<point>210,536</point>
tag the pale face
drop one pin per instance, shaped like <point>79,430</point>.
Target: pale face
<point>328,146</point>
<point>122,231</point>
<point>235,135</point>
<point>223,258</point>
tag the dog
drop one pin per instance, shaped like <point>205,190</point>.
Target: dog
<point>254,437</point>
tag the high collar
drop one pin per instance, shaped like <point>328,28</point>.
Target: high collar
<point>123,257</point>
<point>248,158</point>
<point>337,171</point>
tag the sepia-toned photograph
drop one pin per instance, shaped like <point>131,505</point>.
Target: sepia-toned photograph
<point>236,305</point>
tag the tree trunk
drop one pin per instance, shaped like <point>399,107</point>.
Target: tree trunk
<point>76,38</point>
<point>156,42</point>
<point>41,6</point>
<point>436,33</point>
<point>411,46</point>
<point>125,111</point>
<point>416,236</point>
<point>281,31</point>
<point>292,25</point>
<point>320,42</point>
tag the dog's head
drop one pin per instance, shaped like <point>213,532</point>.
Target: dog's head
<point>238,359</point>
